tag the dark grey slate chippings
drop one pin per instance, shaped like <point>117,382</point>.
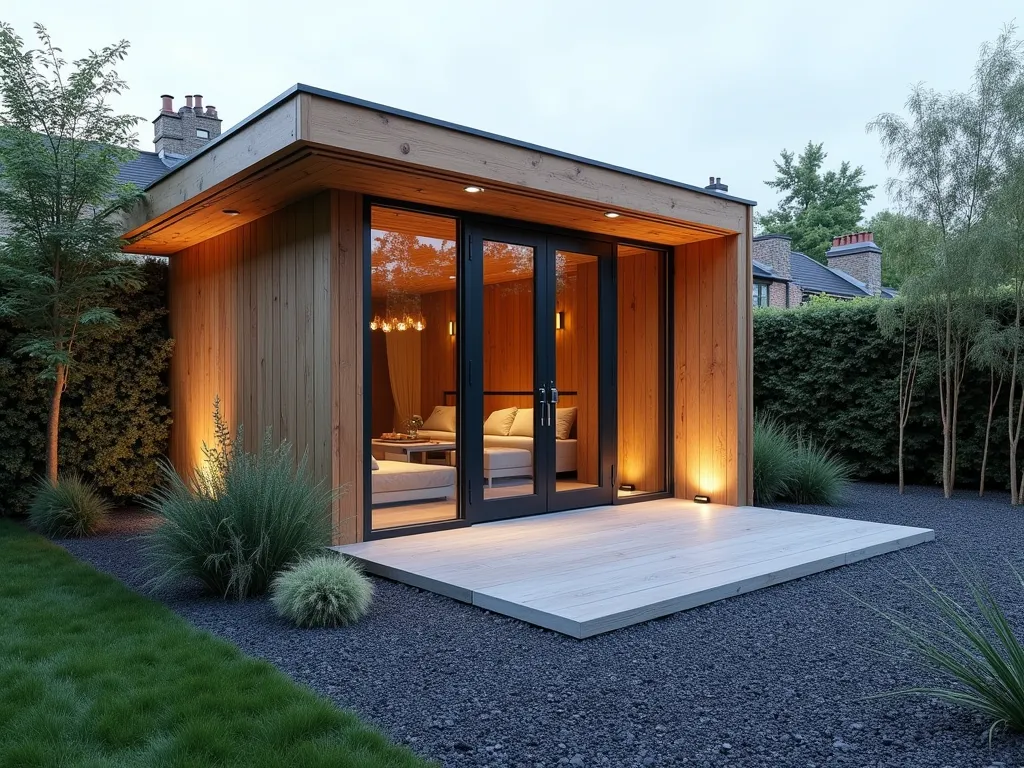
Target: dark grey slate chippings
<point>773,678</point>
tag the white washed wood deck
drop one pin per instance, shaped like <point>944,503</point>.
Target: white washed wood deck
<point>594,570</point>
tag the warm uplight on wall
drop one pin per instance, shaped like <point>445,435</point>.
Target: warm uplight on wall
<point>611,215</point>
<point>627,487</point>
<point>451,327</point>
<point>473,189</point>
<point>700,498</point>
<point>559,320</point>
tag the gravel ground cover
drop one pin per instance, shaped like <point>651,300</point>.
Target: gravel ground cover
<point>776,677</point>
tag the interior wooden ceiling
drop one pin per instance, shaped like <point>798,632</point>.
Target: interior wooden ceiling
<point>422,259</point>
<point>306,170</point>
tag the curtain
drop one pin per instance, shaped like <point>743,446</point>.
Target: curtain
<point>404,370</point>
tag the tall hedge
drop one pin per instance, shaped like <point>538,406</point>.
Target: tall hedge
<point>826,369</point>
<point>115,417</point>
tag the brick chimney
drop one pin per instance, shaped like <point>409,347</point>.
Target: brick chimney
<point>178,134</point>
<point>716,184</point>
<point>773,251</point>
<point>858,256</point>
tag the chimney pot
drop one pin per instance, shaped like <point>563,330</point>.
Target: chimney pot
<point>199,102</point>
<point>211,111</point>
<point>166,103</point>
<point>835,241</point>
<point>718,179</point>
<point>711,179</point>
<point>188,101</point>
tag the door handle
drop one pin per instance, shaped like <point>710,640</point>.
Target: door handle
<point>542,401</point>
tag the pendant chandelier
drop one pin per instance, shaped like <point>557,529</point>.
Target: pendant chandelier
<point>403,313</point>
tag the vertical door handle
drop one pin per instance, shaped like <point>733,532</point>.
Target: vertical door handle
<point>542,400</point>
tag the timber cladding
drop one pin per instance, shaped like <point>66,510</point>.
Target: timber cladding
<point>713,393</point>
<point>252,312</point>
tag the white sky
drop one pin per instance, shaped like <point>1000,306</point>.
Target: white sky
<point>679,89</point>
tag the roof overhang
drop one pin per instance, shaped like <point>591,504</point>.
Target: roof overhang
<point>308,140</point>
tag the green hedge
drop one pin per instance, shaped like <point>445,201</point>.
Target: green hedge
<point>826,369</point>
<point>115,417</point>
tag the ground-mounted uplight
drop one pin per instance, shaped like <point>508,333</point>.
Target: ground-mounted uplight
<point>473,189</point>
<point>627,487</point>
<point>700,498</point>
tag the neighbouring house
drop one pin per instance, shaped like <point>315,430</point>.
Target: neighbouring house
<point>787,278</point>
<point>569,333</point>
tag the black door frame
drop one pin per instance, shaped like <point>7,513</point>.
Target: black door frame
<point>465,221</point>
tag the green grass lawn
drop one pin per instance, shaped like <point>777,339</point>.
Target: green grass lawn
<point>93,674</point>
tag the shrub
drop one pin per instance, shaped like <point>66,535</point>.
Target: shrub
<point>978,649</point>
<point>238,520</point>
<point>818,476</point>
<point>71,508</point>
<point>324,591</point>
<point>775,460</point>
<point>828,372</point>
<point>115,418</point>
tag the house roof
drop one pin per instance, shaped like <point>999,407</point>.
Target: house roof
<point>145,169</point>
<point>386,110</point>
<point>763,271</point>
<point>814,277</point>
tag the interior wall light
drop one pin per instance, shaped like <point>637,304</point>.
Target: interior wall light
<point>559,320</point>
<point>701,498</point>
<point>451,327</point>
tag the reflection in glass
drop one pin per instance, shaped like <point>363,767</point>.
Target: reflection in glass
<point>413,397</point>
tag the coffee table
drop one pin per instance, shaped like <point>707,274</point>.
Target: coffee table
<point>412,452</point>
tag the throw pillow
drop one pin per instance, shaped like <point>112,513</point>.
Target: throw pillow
<point>564,419</point>
<point>441,420</point>
<point>500,422</point>
<point>522,426</point>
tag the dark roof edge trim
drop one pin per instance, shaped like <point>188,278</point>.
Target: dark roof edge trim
<point>302,88</point>
<point>758,238</point>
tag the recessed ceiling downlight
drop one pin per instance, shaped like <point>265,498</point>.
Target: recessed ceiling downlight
<point>611,215</point>
<point>229,212</point>
<point>473,189</point>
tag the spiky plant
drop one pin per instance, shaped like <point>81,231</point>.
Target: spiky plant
<point>819,477</point>
<point>775,456</point>
<point>71,508</point>
<point>239,520</point>
<point>324,591</point>
<point>976,648</point>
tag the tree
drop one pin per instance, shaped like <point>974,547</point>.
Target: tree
<point>61,146</point>
<point>896,233</point>
<point>816,206</point>
<point>951,155</point>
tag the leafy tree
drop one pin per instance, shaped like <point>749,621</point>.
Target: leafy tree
<point>903,240</point>
<point>951,156</point>
<point>61,145</point>
<point>817,206</point>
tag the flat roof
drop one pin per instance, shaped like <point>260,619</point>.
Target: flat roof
<point>302,88</point>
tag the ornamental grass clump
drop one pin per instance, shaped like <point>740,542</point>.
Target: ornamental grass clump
<point>324,591</point>
<point>818,477</point>
<point>71,508</point>
<point>775,459</point>
<point>239,520</point>
<point>977,648</point>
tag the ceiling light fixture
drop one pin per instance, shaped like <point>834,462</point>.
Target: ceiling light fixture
<point>611,215</point>
<point>473,189</point>
<point>229,212</point>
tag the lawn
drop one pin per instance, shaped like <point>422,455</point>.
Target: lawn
<point>93,674</point>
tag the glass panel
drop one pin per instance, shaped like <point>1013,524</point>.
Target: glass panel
<point>577,443</point>
<point>509,386</point>
<point>641,364</point>
<point>413,271</point>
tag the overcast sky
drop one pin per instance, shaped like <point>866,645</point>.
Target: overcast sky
<point>678,89</point>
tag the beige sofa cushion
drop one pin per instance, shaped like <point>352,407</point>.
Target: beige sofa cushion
<point>373,463</point>
<point>522,425</point>
<point>394,476</point>
<point>564,419</point>
<point>442,419</point>
<point>499,422</point>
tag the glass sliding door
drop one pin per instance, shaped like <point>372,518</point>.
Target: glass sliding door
<point>505,372</point>
<point>412,356</point>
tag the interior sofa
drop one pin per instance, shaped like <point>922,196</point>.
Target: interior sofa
<point>510,428</point>
<point>398,481</point>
